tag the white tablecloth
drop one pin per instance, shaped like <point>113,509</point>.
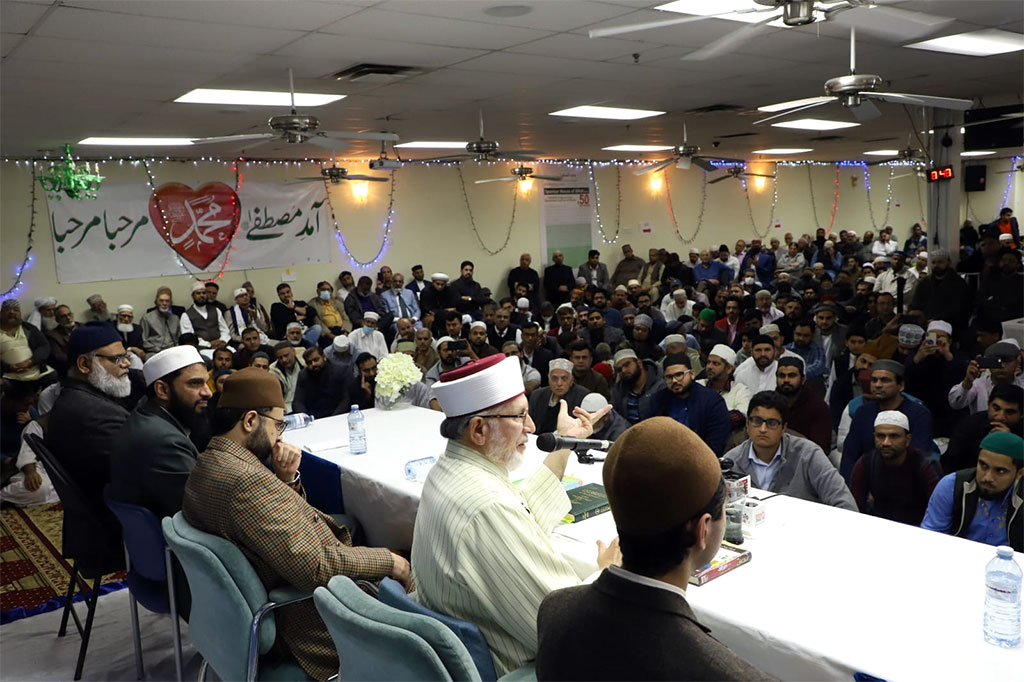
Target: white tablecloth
<point>827,593</point>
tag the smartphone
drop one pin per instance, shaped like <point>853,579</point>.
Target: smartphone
<point>458,344</point>
<point>989,363</point>
<point>932,338</point>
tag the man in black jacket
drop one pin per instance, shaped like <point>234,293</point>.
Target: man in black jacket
<point>321,389</point>
<point>559,280</point>
<point>667,495</point>
<point>363,300</point>
<point>469,292</point>
<point>1005,409</point>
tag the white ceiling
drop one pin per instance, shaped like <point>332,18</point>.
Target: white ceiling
<point>78,68</point>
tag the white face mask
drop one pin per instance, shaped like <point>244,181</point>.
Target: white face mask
<point>325,295</point>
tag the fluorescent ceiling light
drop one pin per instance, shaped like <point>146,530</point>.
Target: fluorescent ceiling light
<point>638,148</point>
<point>137,141</point>
<point>792,104</point>
<point>781,150</point>
<point>976,153</point>
<point>258,98</point>
<point>975,43</point>
<point>703,8</point>
<point>815,124</point>
<point>432,144</point>
<point>616,113</point>
<point>882,152</point>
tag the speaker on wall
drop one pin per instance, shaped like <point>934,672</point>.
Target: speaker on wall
<point>974,178</point>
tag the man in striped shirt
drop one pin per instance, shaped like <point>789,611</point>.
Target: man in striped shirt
<point>481,548</point>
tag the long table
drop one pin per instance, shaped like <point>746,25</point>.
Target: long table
<point>827,593</point>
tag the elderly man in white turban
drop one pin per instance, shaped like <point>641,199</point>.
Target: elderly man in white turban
<point>481,548</point>
<point>42,315</point>
<point>205,321</point>
<point>367,339</point>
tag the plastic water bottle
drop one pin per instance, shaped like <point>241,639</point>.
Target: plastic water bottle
<point>297,420</point>
<point>1002,599</point>
<point>356,431</point>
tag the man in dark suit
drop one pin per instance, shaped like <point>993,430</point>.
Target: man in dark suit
<point>534,352</point>
<point>667,495</point>
<point>559,280</point>
<point>544,402</point>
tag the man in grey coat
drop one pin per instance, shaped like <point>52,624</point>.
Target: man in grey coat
<point>782,463</point>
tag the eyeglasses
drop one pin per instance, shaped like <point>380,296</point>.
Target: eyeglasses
<point>281,424</point>
<point>678,376</point>
<point>521,417</point>
<point>758,422</point>
<point>116,359</point>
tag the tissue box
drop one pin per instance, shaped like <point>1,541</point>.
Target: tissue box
<point>736,489</point>
<point>753,512</point>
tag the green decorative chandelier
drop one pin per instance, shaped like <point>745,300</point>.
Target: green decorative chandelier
<point>72,179</point>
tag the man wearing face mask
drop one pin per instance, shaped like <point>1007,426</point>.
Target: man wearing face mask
<point>131,333</point>
<point>331,314</point>
<point>160,326</point>
<point>246,488</point>
<point>205,321</point>
<point>367,339</point>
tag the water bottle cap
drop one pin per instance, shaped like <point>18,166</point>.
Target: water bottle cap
<point>1004,552</point>
<point>354,408</point>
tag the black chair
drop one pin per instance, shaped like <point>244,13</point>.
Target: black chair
<point>92,542</point>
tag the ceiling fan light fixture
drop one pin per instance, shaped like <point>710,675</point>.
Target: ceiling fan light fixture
<point>703,8</point>
<point>882,152</point>
<point>137,141</point>
<point>508,11</point>
<point>781,150</point>
<point>637,148</point>
<point>815,124</point>
<point>978,153</point>
<point>974,44</point>
<point>432,144</point>
<point>258,98</point>
<point>611,113</point>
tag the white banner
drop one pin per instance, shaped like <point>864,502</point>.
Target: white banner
<point>127,233</point>
<point>567,217</point>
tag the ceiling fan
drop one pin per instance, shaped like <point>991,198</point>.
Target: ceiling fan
<point>521,173</point>
<point>684,156</point>
<point>882,20</point>
<point>855,92</point>
<point>919,169</point>
<point>485,150</point>
<point>296,128</point>
<point>336,174</point>
<point>907,154</point>
<point>739,172</point>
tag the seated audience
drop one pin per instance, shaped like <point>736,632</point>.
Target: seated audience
<point>810,352</point>
<point>362,388</point>
<point>24,349</point>
<point>809,416</point>
<point>757,372</point>
<point>29,484</point>
<point>287,310</point>
<point>608,427</point>
<point>780,462</point>
<point>58,337</point>
<point>544,402</point>
<point>637,382</point>
<point>597,332</point>
<point>531,377</point>
<point>321,389</point>
<point>251,344</point>
<point>932,371</point>
<point>131,333</point>
<point>367,339</point>
<point>583,373</point>
<point>160,325</point>
<point>286,368</point>
<point>205,321</point>
<point>697,407</point>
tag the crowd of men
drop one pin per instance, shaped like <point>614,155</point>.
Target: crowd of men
<point>842,370</point>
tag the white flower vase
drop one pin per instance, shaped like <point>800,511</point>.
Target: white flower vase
<point>388,403</point>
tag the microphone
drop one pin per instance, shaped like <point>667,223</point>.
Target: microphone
<point>549,442</point>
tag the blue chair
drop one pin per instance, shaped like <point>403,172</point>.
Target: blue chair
<point>232,620</point>
<point>377,642</point>
<point>321,480</point>
<point>148,564</point>
<point>393,594</point>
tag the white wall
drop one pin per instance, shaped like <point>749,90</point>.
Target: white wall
<point>432,226</point>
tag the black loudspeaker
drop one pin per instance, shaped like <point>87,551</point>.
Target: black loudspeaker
<point>974,178</point>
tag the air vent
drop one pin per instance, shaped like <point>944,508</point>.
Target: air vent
<point>377,73</point>
<point>716,108</point>
<point>726,137</point>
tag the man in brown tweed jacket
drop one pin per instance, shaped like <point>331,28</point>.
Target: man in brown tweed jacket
<point>232,493</point>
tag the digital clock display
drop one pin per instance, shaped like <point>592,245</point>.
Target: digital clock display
<point>937,174</point>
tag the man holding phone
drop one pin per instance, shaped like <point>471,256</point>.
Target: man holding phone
<point>999,365</point>
<point>932,370</point>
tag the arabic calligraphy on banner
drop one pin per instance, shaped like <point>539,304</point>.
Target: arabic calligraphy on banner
<point>126,233</point>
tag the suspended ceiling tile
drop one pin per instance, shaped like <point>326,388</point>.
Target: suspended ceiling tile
<point>18,17</point>
<point>544,14</point>
<point>345,51</point>
<point>294,14</point>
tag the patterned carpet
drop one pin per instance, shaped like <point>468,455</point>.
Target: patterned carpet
<point>33,575</point>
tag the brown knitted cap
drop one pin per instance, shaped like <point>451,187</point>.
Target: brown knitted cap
<point>251,388</point>
<point>659,474</point>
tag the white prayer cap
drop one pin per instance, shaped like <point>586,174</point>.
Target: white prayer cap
<point>443,339</point>
<point>467,319</point>
<point>894,418</point>
<point>293,325</point>
<point>869,280</point>
<point>523,303</point>
<point>761,293</point>
<point>341,342</point>
<point>439,276</point>
<point>725,352</point>
<point>125,308</point>
<point>624,354</point>
<point>769,329</point>
<point>673,338</point>
<point>44,301</point>
<point>1005,237</point>
<point>621,287</point>
<point>940,326</point>
<point>581,281</point>
<point>867,264</point>
<point>882,259</point>
<point>679,293</point>
<point>478,323</point>
<point>560,363</point>
<point>695,250</point>
<point>593,402</point>
<point>566,306</point>
<point>633,282</point>
<point>370,315</point>
<point>170,360</point>
<point>479,385</point>
<point>198,286</point>
<point>239,292</point>
<point>922,254</point>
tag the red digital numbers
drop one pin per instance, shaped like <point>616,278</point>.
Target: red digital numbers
<point>944,173</point>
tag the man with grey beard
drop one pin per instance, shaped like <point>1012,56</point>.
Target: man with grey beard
<point>90,410</point>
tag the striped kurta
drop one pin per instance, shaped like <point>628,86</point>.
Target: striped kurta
<point>482,551</point>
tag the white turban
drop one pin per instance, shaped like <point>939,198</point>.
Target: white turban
<point>239,292</point>
<point>725,352</point>
<point>125,308</point>
<point>940,326</point>
<point>894,418</point>
<point>478,325</point>
<point>559,363</point>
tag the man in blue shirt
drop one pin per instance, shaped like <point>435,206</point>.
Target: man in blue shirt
<point>697,407</point>
<point>984,504</point>
<point>715,270</point>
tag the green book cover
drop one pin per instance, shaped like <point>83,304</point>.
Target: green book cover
<point>588,500</point>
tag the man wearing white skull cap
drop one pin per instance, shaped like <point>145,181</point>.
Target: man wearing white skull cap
<point>367,339</point>
<point>481,549</point>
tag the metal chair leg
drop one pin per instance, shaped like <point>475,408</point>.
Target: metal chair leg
<point>67,604</point>
<point>91,608</point>
<point>202,670</point>
<point>172,598</point>
<point>133,610</point>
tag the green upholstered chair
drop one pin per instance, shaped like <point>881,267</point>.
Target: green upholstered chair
<point>377,642</point>
<point>232,621</point>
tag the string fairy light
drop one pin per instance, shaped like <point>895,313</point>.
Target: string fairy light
<point>888,194</point>
<point>597,203</point>
<point>389,220</point>
<point>835,198</point>
<point>27,261</point>
<point>750,209</point>
<point>472,221</point>
<point>700,213</point>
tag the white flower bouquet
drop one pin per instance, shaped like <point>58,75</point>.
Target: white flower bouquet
<point>396,372</point>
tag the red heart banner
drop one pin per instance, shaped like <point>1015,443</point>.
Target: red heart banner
<point>196,223</point>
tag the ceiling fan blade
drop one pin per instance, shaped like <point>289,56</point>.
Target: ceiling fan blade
<point>881,161</point>
<point>887,21</point>
<point>724,177</point>
<point>925,100</point>
<point>330,143</point>
<point>781,114</point>
<point>508,179</point>
<point>865,111</point>
<point>233,138</point>
<point>648,25</point>
<point>368,178</point>
<point>517,156</point>
<point>353,135</point>
<point>1002,119</point>
<point>434,159</point>
<point>758,175</point>
<point>723,159</point>
<point>656,167</point>
<point>547,177</point>
<point>728,41</point>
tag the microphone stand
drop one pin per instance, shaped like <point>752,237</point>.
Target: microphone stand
<point>584,457</point>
